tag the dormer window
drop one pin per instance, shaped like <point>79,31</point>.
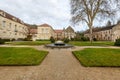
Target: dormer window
<point>21,21</point>
<point>2,13</point>
<point>14,19</point>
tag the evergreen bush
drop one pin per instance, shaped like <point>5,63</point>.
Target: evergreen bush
<point>52,39</point>
<point>66,40</point>
<point>117,42</point>
<point>2,41</point>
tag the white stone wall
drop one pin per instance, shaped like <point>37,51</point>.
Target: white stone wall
<point>116,32</point>
<point>44,33</point>
<point>107,35</point>
<point>10,29</point>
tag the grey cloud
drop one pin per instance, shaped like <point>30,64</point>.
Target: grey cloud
<point>53,12</point>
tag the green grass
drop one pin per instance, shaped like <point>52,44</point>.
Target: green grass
<point>21,56</point>
<point>28,42</point>
<point>97,43</point>
<point>98,57</point>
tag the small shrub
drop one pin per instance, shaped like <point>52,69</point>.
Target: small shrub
<point>77,39</point>
<point>20,39</point>
<point>2,41</point>
<point>27,39</point>
<point>94,39</point>
<point>117,43</point>
<point>13,39</point>
<point>84,38</point>
<point>72,39</point>
<point>52,39</point>
<point>66,40</point>
<point>42,39</point>
<point>38,39</point>
<point>6,40</point>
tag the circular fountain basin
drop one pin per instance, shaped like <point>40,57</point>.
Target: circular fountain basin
<point>58,44</point>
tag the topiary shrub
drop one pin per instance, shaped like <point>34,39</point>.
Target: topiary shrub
<point>66,40</point>
<point>52,39</point>
<point>2,41</point>
<point>117,42</point>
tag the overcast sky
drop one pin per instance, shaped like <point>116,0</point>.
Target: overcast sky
<point>54,12</point>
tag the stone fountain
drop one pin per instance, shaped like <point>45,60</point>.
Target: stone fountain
<point>59,44</point>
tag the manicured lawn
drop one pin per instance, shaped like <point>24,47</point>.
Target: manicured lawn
<point>97,43</point>
<point>21,56</point>
<point>28,42</point>
<point>98,57</point>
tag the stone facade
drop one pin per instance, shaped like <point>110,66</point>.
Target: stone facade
<point>65,33</point>
<point>45,31</point>
<point>69,33</point>
<point>110,33</point>
<point>12,27</point>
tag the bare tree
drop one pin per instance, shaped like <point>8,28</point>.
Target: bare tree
<point>90,10</point>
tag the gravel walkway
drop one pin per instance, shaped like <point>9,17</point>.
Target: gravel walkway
<point>60,64</point>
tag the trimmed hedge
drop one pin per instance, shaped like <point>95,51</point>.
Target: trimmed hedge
<point>2,41</point>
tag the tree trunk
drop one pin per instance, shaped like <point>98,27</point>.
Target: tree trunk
<point>91,35</point>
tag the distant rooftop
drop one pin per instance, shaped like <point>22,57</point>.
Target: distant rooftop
<point>11,17</point>
<point>97,29</point>
<point>58,31</point>
<point>44,25</point>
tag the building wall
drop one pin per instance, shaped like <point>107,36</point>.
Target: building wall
<point>58,36</point>
<point>10,29</point>
<point>65,33</point>
<point>116,32</point>
<point>69,33</point>
<point>44,33</point>
<point>107,35</point>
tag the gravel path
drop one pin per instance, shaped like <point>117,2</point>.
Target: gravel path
<point>59,64</point>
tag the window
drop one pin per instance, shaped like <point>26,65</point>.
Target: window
<point>3,23</point>
<point>47,31</point>
<point>15,28</point>
<point>10,25</point>
<point>42,30</point>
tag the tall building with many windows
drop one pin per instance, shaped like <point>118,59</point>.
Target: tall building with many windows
<point>11,27</point>
<point>109,33</point>
<point>44,32</point>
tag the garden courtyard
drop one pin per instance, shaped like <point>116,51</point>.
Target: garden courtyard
<point>61,64</point>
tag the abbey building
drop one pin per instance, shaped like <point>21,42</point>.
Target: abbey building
<point>12,27</point>
<point>109,33</point>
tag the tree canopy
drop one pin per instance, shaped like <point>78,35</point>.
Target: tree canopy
<point>90,10</point>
